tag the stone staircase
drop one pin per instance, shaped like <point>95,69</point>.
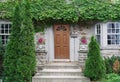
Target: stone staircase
<point>60,72</point>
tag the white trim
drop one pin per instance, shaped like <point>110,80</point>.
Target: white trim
<point>5,22</point>
<point>4,34</point>
<point>50,43</point>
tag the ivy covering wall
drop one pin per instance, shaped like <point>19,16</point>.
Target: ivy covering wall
<point>67,10</point>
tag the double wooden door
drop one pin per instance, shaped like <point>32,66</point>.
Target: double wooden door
<point>61,40</point>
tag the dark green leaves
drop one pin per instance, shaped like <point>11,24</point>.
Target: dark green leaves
<point>94,65</point>
<point>19,60</point>
<point>72,11</point>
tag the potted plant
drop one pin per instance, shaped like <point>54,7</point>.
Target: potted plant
<point>83,43</point>
<point>41,43</point>
<point>83,40</point>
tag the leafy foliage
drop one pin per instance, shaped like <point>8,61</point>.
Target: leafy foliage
<point>70,11</point>
<point>112,77</point>
<point>12,50</point>
<point>116,66</point>
<point>28,59</point>
<point>109,63</point>
<point>11,59</point>
<point>19,62</point>
<point>2,51</point>
<point>94,65</point>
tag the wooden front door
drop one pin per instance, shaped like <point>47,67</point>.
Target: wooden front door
<point>61,37</point>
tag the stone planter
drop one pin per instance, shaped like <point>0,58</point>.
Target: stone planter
<point>41,59</point>
<point>41,47</point>
<point>82,55</point>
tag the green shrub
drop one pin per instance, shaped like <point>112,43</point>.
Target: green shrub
<point>27,61</point>
<point>19,60</point>
<point>94,65</point>
<point>109,61</point>
<point>11,58</point>
<point>108,65</point>
<point>2,51</point>
<point>112,77</point>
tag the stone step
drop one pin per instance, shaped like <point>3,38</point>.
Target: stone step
<point>61,63</point>
<point>58,72</point>
<point>60,79</point>
<point>60,66</point>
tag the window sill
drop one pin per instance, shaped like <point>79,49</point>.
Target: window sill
<point>111,47</point>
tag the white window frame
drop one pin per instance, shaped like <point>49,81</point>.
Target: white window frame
<point>5,32</point>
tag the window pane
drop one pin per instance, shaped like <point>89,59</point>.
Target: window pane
<point>113,26</point>
<point>2,28</point>
<point>117,30</point>
<point>98,31</point>
<point>113,41</point>
<point>6,31</point>
<point>113,37</point>
<point>117,41</point>
<point>110,26</point>
<point>3,37</point>
<point>109,30</point>
<point>109,37</point>
<point>117,36</point>
<point>117,25</point>
<point>109,41</point>
<point>113,30</point>
<point>98,38</point>
<point>6,26</point>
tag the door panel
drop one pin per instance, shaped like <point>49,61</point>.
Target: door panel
<point>61,37</point>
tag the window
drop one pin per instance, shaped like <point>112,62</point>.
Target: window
<point>98,33</point>
<point>5,29</point>
<point>113,33</point>
<point>108,34</point>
